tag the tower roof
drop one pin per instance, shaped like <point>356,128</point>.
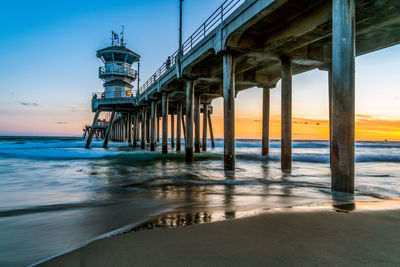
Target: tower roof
<point>108,54</point>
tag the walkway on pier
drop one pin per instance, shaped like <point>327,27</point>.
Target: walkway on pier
<point>255,43</point>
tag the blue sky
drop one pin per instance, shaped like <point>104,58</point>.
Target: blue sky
<point>48,67</point>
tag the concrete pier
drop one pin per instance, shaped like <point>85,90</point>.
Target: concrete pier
<point>229,110</point>
<point>189,121</point>
<point>343,58</point>
<point>286,114</point>
<point>165,123</point>
<point>265,122</point>
<point>241,51</point>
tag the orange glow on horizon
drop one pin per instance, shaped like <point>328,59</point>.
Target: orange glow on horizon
<point>368,128</point>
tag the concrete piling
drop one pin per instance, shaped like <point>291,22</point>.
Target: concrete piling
<point>165,123</point>
<point>152,126</point>
<point>143,124</point>
<point>343,100</point>
<point>189,121</point>
<point>172,130</point>
<point>196,123</point>
<point>109,128</point>
<point>286,113</point>
<point>265,122</point>
<point>93,129</point>
<point>229,111</point>
<point>205,113</point>
<point>211,129</point>
<point>178,125</point>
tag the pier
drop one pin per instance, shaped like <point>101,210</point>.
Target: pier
<point>242,45</point>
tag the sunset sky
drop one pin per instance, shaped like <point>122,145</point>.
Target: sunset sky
<point>48,70</point>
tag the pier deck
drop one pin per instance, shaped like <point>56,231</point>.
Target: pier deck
<point>255,43</point>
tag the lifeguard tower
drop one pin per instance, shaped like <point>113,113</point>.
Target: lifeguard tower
<point>117,72</point>
<point>119,95</point>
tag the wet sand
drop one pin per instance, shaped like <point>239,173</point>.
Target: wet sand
<point>313,236</point>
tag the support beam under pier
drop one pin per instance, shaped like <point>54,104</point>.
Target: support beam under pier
<point>205,111</point>
<point>135,130</point>
<point>143,134</point>
<point>165,123</point>
<point>109,128</point>
<point>196,123</point>
<point>229,111</point>
<point>172,130</point>
<point>343,99</point>
<point>211,129</point>
<point>265,122</point>
<point>286,114</point>
<point>178,125</point>
<point>152,126</point>
<point>93,129</point>
<point>189,121</point>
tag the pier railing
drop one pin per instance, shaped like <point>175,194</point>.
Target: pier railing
<point>118,71</point>
<point>216,18</point>
<point>111,95</point>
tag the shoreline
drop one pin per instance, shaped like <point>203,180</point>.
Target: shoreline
<point>371,224</point>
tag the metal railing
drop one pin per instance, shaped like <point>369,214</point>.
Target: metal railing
<point>117,71</point>
<point>210,24</point>
<point>111,95</point>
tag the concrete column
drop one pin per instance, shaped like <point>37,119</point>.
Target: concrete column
<point>205,111</point>
<point>183,126</point>
<point>343,117</point>
<point>143,134</point>
<point>265,122</point>
<point>189,121</point>
<point>135,131</point>
<point>109,129</point>
<point>148,126</point>
<point>137,127</point>
<point>152,126</point>
<point>229,111</point>
<point>172,130</point>
<point>130,127</point>
<point>165,123</point>
<point>286,113</point>
<point>211,129</point>
<point>158,129</point>
<point>196,123</point>
<point>178,125</point>
<point>330,112</point>
<point>93,129</point>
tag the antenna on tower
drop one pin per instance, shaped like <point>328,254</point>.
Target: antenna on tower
<point>112,38</point>
<point>122,36</point>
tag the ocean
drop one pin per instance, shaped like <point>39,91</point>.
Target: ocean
<point>56,196</point>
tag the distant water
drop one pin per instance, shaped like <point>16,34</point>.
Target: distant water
<point>55,195</point>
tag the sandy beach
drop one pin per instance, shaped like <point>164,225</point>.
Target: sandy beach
<point>370,236</point>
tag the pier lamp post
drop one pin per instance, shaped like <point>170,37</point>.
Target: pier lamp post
<point>180,28</point>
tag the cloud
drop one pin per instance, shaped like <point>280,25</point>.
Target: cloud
<point>33,104</point>
<point>256,120</point>
<point>62,122</point>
